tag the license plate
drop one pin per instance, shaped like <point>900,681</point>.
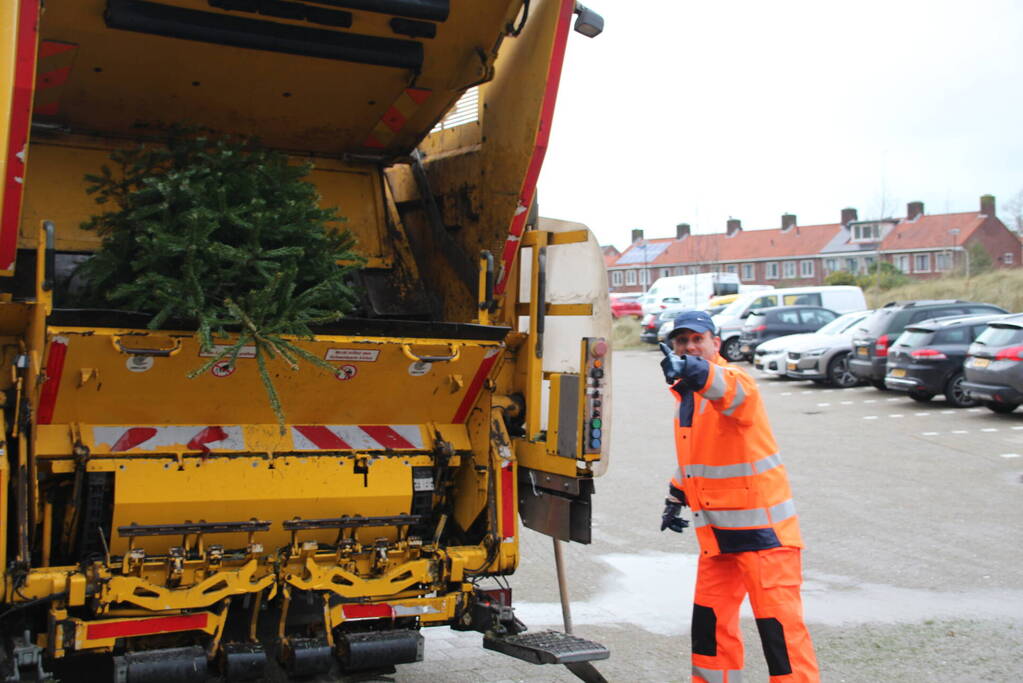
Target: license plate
<point>898,372</point>
<point>758,366</point>
<point>792,366</point>
<point>862,351</point>
<point>981,362</point>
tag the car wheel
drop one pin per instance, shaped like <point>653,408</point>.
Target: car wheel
<point>839,374</point>
<point>879,384</point>
<point>1001,408</point>
<point>730,350</point>
<point>920,396</point>
<point>955,395</point>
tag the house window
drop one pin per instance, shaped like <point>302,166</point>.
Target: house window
<point>731,268</point>
<point>869,261</point>
<point>942,261</point>
<point>747,271</point>
<point>921,263</point>
<point>616,278</point>
<point>789,268</point>
<point>665,272</point>
<point>867,232</point>
<point>630,277</point>
<point>679,270</point>
<point>644,277</point>
<point>806,269</point>
<point>1007,258</point>
<point>851,265</point>
<point>902,262</point>
<point>694,269</point>
<point>772,270</point>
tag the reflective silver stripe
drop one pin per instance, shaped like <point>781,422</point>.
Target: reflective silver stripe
<point>740,398</point>
<point>782,511</point>
<point>703,406</point>
<point>768,463</point>
<point>743,469</point>
<point>709,675</point>
<point>718,675</point>
<point>679,476</point>
<point>730,519</point>
<point>717,386</point>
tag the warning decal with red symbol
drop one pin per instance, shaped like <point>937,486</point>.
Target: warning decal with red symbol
<point>222,369</point>
<point>346,372</point>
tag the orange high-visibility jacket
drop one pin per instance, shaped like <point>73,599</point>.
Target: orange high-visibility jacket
<point>728,462</point>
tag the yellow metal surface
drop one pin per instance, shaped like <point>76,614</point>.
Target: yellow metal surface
<point>532,238</point>
<point>134,590</point>
<point>558,309</point>
<point>8,47</point>
<point>536,457</point>
<point>321,577</point>
<point>290,101</point>
<point>220,489</point>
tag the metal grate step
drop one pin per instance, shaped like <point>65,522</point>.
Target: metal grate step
<point>547,647</point>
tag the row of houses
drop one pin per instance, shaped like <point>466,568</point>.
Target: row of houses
<point>921,245</point>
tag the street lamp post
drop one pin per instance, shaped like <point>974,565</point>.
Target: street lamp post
<point>966,254</point>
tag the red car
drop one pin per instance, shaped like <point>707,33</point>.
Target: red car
<point>626,304</point>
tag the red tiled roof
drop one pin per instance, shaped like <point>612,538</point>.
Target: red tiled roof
<point>804,240</point>
<point>929,232</point>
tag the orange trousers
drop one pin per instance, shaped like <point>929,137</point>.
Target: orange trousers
<point>772,579</point>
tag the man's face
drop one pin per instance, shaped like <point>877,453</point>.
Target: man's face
<point>702,344</point>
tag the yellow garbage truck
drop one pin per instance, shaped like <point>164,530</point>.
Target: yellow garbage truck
<point>157,527</point>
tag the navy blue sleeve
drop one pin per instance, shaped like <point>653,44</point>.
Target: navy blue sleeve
<point>694,376</point>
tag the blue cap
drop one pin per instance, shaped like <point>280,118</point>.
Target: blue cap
<point>697,321</point>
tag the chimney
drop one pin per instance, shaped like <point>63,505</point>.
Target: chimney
<point>849,215</point>
<point>914,209</point>
<point>637,235</point>
<point>987,205</point>
<point>788,220</point>
<point>734,227</point>
<point>681,231</point>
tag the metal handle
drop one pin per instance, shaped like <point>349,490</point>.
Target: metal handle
<point>456,351</point>
<point>541,299</point>
<point>488,285</point>
<point>135,351</point>
<point>50,259</point>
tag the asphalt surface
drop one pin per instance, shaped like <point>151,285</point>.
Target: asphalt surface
<point>911,514</point>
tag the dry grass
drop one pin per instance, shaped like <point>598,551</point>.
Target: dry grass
<point>625,334</point>
<point>1002,287</point>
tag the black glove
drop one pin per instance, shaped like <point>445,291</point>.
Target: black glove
<point>672,516</point>
<point>672,365</point>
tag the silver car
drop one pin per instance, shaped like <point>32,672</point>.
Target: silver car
<point>994,365</point>
<point>823,355</point>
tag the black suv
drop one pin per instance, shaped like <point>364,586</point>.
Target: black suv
<point>779,321</point>
<point>927,358</point>
<point>879,330</point>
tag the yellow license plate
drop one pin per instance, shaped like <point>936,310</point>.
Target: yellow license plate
<point>898,372</point>
<point>792,366</point>
<point>862,351</point>
<point>981,362</point>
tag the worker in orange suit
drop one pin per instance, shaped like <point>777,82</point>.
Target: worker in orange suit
<point>731,476</point>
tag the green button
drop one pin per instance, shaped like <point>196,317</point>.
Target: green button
<point>596,422</point>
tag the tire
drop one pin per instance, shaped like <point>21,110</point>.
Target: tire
<point>839,374</point>
<point>730,350</point>
<point>954,394</point>
<point>879,384</point>
<point>920,396</point>
<point>1000,408</point>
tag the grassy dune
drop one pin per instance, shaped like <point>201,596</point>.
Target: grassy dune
<point>1003,288</point>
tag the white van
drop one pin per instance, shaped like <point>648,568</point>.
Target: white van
<point>688,291</point>
<point>839,298</point>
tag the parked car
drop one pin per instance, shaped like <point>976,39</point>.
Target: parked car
<point>666,321</point>
<point>840,298</point>
<point>927,358</point>
<point>649,325</point>
<point>779,321</point>
<point>879,331</point>
<point>691,291</point>
<point>820,356</point>
<point>623,305</point>
<point>994,365</point>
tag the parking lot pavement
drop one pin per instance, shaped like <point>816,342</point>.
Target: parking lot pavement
<point>911,514</point>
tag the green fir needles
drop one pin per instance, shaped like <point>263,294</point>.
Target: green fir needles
<point>223,235</point>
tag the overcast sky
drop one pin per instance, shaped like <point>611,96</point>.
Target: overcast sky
<point>697,111</point>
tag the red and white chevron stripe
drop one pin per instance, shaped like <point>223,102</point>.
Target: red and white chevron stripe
<point>356,437</point>
<point>194,438</point>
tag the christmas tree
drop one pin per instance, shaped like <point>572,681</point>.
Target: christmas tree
<point>223,235</point>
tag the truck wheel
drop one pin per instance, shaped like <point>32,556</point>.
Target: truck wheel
<point>1000,408</point>
<point>730,350</point>
<point>955,395</point>
<point>839,374</point>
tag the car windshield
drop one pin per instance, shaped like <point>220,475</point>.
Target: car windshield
<point>841,323</point>
<point>913,338</point>
<point>875,323</point>
<point>733,309</point>
<point>998,335</point>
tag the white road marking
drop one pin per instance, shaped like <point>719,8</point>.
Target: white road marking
<point>893,399</point>
<point>990,429</point>
<point>960,431</point>
<point>930,433</point>
<point>847,403</point>
<point>1018,427</point>
<point>786,393</point>
<point>823,405</point>
<point>948,412</point>
<point>871,400</point>
<point>897,415</point>
<point>806,392</point>
<point>921,414</point>
<point>1010,455</point>
<point>870,417</point>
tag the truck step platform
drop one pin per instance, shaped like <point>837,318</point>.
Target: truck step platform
<point>547,647</point>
